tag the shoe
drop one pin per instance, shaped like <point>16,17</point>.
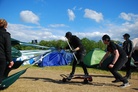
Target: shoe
<point>116,80</point>
<point>86,75</point>
<point>125,85</point>
<point>70,76</point>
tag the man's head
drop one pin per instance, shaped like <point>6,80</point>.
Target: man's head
<point>106,39</point>
<point>68,35</point>
<point>126,36</point>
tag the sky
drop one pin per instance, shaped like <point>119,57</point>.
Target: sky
<point>51,19</point>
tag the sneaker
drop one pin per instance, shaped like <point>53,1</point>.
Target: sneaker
<point>116,80</point>
<point>125,85</point>
<point>86,76</point>
<point>70,76</point>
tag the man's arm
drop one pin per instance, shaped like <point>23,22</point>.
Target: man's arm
<point>105,56</point>
<point>116,56</point>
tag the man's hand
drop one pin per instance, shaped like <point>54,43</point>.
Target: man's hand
<point>72,51</point>
<point>111,66</point>
<point>11,64</point>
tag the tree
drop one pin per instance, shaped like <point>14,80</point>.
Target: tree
<point>88,44</point>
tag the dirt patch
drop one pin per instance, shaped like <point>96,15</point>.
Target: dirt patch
<point>49,80</point>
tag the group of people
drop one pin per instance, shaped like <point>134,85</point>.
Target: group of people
<point>121,55</point>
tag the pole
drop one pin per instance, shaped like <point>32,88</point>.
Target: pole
<point>73,52</point>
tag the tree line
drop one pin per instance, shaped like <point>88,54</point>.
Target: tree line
<point>88,44</point>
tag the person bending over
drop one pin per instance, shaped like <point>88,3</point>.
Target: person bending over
<point>119,59</point>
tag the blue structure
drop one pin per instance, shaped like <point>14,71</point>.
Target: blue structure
<point>56,58</point>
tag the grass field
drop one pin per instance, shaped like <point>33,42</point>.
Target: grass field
<point>48,79</point>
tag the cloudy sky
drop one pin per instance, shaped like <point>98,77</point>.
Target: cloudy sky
<point>51,19</point>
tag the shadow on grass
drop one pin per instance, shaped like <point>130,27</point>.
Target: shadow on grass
<point>135,88</point>
<point>78,82</point>
<point>41,79</point>
<point>94,75</point>
<point>104,84</point>
<point>72,82</point>
<point>106,76</point>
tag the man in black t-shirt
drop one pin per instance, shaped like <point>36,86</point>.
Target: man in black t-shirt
<point>119,59</point>
<point>80,52</point>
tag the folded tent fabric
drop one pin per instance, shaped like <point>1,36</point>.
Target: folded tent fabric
<point>11,79</point>
<point>56,58</point>
<point>16,65</point>
<point>53,59</point>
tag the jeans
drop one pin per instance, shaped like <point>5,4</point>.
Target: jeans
<point>118,65</point>
<point>80,57</point>
<point>128,68</point>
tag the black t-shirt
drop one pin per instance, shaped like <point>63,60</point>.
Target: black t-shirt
<point>127,46</point>
<point>76,42</point>
<point>112,47</point>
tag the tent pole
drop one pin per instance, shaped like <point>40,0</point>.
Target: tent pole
<point>73,52</point>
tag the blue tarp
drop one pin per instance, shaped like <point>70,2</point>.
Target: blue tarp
<point>56,58</point>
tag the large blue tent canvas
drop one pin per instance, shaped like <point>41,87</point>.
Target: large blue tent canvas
<point>56,58</point>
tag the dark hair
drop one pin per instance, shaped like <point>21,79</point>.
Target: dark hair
<point>126,35</point>
<point>106,37</point>
<point>68,35</point>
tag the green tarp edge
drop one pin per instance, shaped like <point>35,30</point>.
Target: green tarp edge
<point>12,78</point>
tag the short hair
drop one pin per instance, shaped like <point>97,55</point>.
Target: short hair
<point>126,35</point>
<point>68,35</point>
<point>106,37</point>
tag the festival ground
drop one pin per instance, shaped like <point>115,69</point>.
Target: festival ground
<point>48,79</point>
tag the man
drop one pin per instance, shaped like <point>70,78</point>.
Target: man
<point>119,59</point>
<point>79,50</point>
<point>127,46</point>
